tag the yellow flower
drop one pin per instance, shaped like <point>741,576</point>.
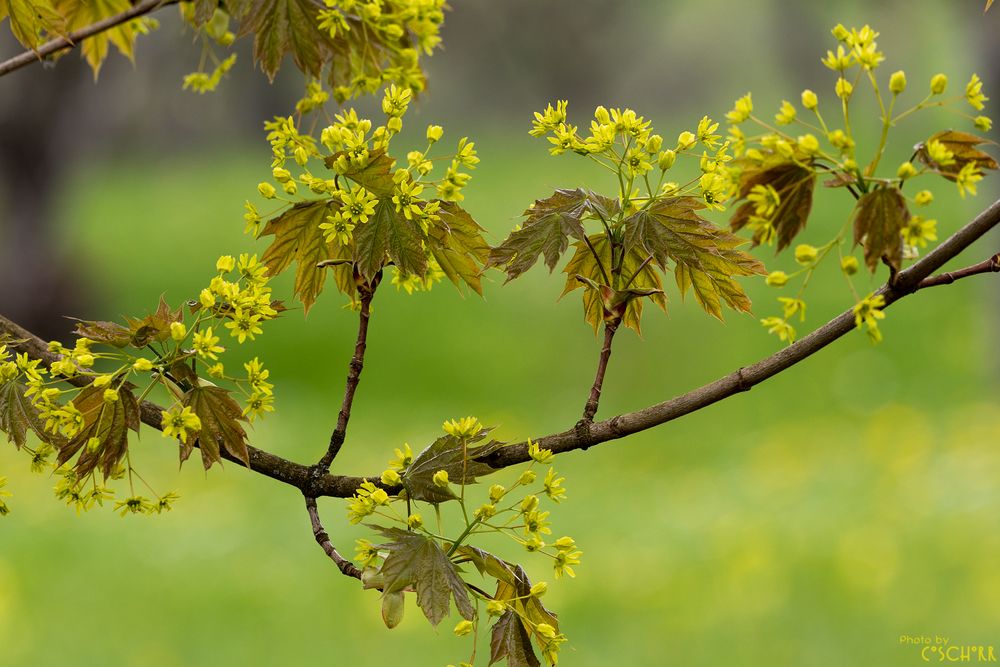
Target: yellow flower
<point>918,231</point>
<point>177,422</point>
<point>849,265</point>
<point>923,198</point>
<point>791,307</point>
<point>440,478</point>
<point>553,486</point>
<point>974,93</point>
<point>786,114</point>
<point>434,133</point>
<point>266,190</point>
<point>463,628</point>
<point>358,204</point>
<point>779,326</point>
<point>462,428</point>
<point>868,311</point>
<point>940,153</point>
<point>258,405</point>
<point>809,99</point>
<point>244,325</point>
<point>390,477</point>
<point>205,344</point>
<point>967,178</point>
<point>538,454</point>
<point>741,110</point>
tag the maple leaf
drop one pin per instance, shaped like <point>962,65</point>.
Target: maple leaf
<point>547,228</point>
<point>794,184</point>
<point>17,415</point>
<point>447,453</point>
<point>298,238</point>
<point>32,21</point>
<point>109,423</point>
<point>705,257</point>
<point>389,233</point>
<point>585,265</point>
<point>286,26</point>
<point>82,13</point>
<point>456,242</point>
<point>419,562</point>
<point>879,218</point>
<point>509,639</point>
<point>964,147</point>
<point>153,327</point>
<point>220,419</point>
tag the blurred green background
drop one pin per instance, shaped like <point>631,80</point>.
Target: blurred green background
<point>812,521</point>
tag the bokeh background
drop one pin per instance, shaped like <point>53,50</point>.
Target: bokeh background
<point>813,521</point>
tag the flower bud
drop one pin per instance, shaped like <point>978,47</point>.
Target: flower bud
<point>938,83</point>
<point>463,628</point>
<point>805,254</point>
<point>777,279</point>
<point>226,263</point>
<point>143,365</point>
<point>440,478</point>
<point>667,159</point>
<point>849,265</point>
<point>906,170</point>
<point>178,331</point>
<point>266,190</point>
<point>434,133</point>
<point>281,175</point>
<point>390,478</point>
<point>809,99</point>
<point>897,82</point>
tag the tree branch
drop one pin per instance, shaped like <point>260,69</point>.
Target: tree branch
<point>77,36</point>
<point>906,282</point>
<point>590,409</point>
<point>323,540</point>
<point>366,293</point>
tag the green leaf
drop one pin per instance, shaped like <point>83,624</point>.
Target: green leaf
<point>547,228</point>
<point>286,26</point>
<point>388,233</point>
<point>794,184</point>
<point>17,415</point>
<point>879,219</point>
<point>584,264</point>
<point>33,21</point>
<point>964,147</point>
<point>81,14</point>
<point>446,453</point>
<point>705,257</point>
<point>109,423</point>
<point>419,562</point>
<point>456,242</point>
<point>375,176</point>
<point>220,419</point>
<point>298,238</point>
<point>509,639</point>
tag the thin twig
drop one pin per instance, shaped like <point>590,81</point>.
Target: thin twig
<point>323,540</point>
<point>991,265</point>
<point>590,409</point>
<point>74,38</point>
<point>366,294</point>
